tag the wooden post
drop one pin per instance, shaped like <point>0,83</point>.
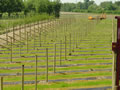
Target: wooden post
<point>30,30</point>
<point>38,25</point>
<point>40,39</point>
<point>20,27</point>
<point>55,60</point>
<point>65,48</point>
<point>60,52</point>
<point>13,34</point>
<point>114,59</point>
<point>7,36</point>
<point>11,50</point>
<point>45,36</point>
<point>1,86</point>
<point>20,48</point>
<point>116,49</point>
<point>34,36</point>
<point>22,77</point>
<point>70,46</point>
<point>36,74</point>
<point>46,64</point>
<point>20,32</point>
<point>73,41</point>
<point>25,31</point>
<point>27,43</point>
<point>76,40</point>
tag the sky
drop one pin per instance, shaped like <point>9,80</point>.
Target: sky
<point>97,1</point>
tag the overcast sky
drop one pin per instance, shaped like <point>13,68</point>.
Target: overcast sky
<point>97,1</point>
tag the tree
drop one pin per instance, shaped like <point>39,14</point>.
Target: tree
<point>80,5</point>
<point>50,8</point>
<point>117,3</point>
<point>92,7</point>
<point>57,7</point>
<point>68,7</point>
<point>19,6</point>
<point>87,3</point>
<point>29,6</point>
<point>42,6</point>
<point>10,6</point>
<point>3,7</point>
<point>108,5</point>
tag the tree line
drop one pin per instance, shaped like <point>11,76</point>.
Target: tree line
<point>92,7</point>
<point>27,6</point>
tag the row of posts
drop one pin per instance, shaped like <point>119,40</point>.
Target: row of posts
<point>12,40</point>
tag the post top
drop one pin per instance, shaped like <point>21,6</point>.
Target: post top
<point>117,17</point>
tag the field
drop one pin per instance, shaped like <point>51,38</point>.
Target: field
<point>67,53</point>
<point>18,21</point>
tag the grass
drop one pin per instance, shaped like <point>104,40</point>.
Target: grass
<point>59,76</point>
<point>87,35</point>
<point>64,85</point>
<point>84,67</point>
<point>21,21</point>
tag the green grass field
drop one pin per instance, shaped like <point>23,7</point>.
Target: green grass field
<point>86,45</point>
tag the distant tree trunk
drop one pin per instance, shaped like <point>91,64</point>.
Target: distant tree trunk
<point>9,14</point>
<point>17,15</point>
<point>1,15</point>
<point>25,12</point>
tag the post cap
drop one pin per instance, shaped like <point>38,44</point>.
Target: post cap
<point>117,17</point>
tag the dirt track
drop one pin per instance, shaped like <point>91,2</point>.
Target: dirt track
<point>22,29</point>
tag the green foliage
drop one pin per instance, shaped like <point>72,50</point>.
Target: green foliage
<point>108,5</point>
<point>26,20</point>
<point>27,6</point>
<point>68,7</point>
<point>90,6</point>
<point>56,7</point>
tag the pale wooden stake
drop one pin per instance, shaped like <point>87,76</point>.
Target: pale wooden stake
<point>36,73</point>
<point>70,46</point>
<point>1,86</point>
<point>46,64</point>
<point>22,77</point>
<point>60,52</point>
<point>27,43</point>
<point>55,60</point>
<point>11,53</point>
<point>65,48</point>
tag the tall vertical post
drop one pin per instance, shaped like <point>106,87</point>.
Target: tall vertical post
<point>20,32</point>
<point>55,60</point>
<point>25,30</point>
<point>1,86</point>
<point>11,50</point>
<point>7,36</point>
<point>13,34</point>
<point>118,54</point>
<point>46,64</point>
<point>30,30</point>
<point>22,77</point>
<point>76,40</point>
<point>20,40</point>
<point>40,38</point>
<point>70,46</point>
<point>34,36</point>
<point>116,49</point>
<point>27,43</point>
<point>36,73</point>
<point>60,52</point>
<point>114,59</point>
<point>7,29</point>
<point>65,48</point>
